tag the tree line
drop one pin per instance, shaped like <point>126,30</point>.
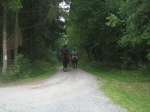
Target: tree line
<point>33,22</point>
<point>112,32</point>
<point>107,31</point>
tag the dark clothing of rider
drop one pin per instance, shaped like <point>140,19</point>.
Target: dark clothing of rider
<point>65,56</point>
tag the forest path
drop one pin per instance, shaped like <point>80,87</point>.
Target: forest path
<point>73,91</point>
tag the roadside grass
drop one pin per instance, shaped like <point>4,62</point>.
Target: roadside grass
<point>129,88</point>
<point>37,73</point>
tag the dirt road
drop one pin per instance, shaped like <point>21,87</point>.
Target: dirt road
<point>74,91</point>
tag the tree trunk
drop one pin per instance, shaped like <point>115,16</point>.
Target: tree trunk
<point>16,37</point>
<point>4,68</point>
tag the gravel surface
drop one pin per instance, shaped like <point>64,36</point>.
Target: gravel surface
<point>73,91</point>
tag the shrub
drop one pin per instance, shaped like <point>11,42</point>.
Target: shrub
<point>22,66</point>
<point>52,57</point>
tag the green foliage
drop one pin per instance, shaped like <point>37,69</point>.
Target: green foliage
<point>38,28</point>
<point>42,28</point>
<point>88,30</point>
<point>15,5</point>
<point>22,66</point>
<point>39,70</point>
<point>52,13</point>
<point>110,31</point>
<point>113,20</point>
<point>52,57</point>
<point>21,69</point>
<point>137,21</point>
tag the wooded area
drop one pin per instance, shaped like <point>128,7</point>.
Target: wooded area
<point>29,32</point>
<point>110,38</point>
<point>110,32</point>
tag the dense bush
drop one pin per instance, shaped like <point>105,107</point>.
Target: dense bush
<point>22,67</point>
<point>52,57</point>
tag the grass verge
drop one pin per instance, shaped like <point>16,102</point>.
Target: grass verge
<point>37,73</point>
<point>129,88</point>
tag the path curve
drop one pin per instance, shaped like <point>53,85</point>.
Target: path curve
<point>74,91</point>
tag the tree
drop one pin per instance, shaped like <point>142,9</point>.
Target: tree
<point>40,27</point>
<point>110,31</point>
<point>4,39</point>
<point>15,6</point>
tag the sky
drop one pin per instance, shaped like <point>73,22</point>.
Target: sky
<point>66,8</point>
<point>62,19</point>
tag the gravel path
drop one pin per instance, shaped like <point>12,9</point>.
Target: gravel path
<point>74,91</point>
